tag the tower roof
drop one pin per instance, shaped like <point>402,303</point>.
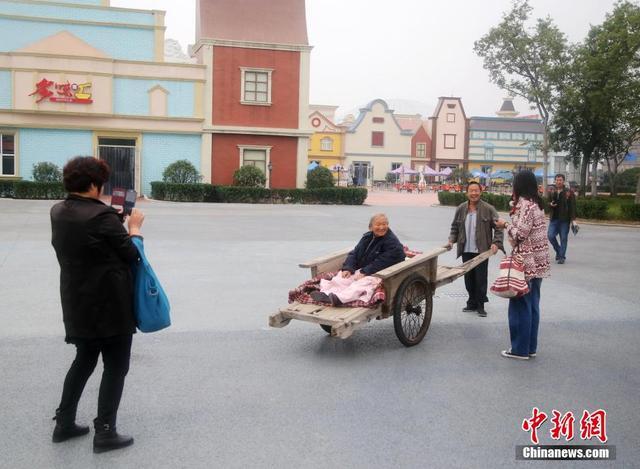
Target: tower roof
<point>272,22</point>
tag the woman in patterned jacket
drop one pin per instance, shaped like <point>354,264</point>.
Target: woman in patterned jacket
<point>527,233</point>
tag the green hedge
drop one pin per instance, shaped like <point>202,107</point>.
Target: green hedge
<point>38,190</point>
<point>588,208</point>
<point>499,201</point>
<point>237,194</point>
<point>630,211</point>
<point>7,189</point>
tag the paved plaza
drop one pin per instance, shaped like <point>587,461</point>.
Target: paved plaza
<point>220,389</point>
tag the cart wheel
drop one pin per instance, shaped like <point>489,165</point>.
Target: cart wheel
<point>326,328</point>
<point>412,308</point>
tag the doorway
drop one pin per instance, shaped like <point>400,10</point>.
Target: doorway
<point>120,155</point>
<point>360,173</point>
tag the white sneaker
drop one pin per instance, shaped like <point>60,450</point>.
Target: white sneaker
<point>508,354</point>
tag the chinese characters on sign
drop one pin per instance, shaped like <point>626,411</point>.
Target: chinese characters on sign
<point>592,425</point>
<point>62,92</point>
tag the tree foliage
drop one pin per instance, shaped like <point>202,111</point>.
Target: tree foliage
<point>249,176</point>
<point>46,172</point>
<point>181,172</point>
<point>319,178</point>
<point>529,62</point>
<point>598,116</point>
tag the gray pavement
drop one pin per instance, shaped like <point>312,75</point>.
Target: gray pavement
<point>221,389</point>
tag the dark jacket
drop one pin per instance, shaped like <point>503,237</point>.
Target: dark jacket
<point>95,253</point>
<point>373,254</point>
<point>565,208</point>
<point>486,231</point>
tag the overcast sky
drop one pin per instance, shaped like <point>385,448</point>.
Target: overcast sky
<point>415,50</point>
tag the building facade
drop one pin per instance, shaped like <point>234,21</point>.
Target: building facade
<point>84,78</point>
<point>449,135</point>
<point>256,55</point>
<point>506,142</point>
<point>326,145</point>
<point>376,144</point>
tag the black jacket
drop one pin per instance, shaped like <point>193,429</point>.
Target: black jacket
<point>95,253</point>
<point>373,253</point>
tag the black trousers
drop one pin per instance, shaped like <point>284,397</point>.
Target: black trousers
<point>116,353</point>
<point>476,282</point>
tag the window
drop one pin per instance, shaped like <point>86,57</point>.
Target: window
<point>532,153</point>
<point>486,169</point>
<point>257,158</point>
<point>326,144</point>
<point>378,120</point>
<point>449,141</point>
<point>539,137</point>
<point>477,134</point>
<point>451,117</point>
<point>421,150</point>
<point>517,136</point>
<point>492,135</point>
<point>488,152</point>
<point>505,136</point>
<point>8,155</point>
<point>377,139</point>
<point>256,86</point>
<point>395,166</point>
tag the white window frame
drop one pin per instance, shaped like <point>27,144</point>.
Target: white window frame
<point>329,144</point>
<point>451,117</point>
<point>266,149</point>
<point>421,146</point>
<point>14,134</point>
<point>243,72</point>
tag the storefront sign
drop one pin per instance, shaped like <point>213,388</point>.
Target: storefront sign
<point>62,92</point>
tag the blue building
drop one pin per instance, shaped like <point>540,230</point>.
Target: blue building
<point>83,78</point>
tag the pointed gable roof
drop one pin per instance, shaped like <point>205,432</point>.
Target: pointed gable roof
<point>441,100</point>
<point>326,124</point>
<point>272,22</point>
<point>63,43</point>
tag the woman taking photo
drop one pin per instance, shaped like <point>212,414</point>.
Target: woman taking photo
<point>95,253</point>
<point>527,234</point>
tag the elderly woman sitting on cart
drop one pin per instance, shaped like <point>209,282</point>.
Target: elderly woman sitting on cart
<point>378,249</point>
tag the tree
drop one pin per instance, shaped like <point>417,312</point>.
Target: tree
<point>527,62</point>
<point>459,176</point>
<point>46,172</point>
<point>598,114</point>
<point>181,172</point>
<point>319,178</point>
<point>249,176</point>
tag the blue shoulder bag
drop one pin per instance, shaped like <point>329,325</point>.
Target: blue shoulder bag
<point>150,302</point>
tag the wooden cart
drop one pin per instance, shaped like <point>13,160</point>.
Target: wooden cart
<point>409,288</point>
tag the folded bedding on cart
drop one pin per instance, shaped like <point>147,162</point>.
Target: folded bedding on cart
<point>367,292</point>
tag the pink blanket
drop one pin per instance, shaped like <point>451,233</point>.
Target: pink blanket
<point>348,289</point>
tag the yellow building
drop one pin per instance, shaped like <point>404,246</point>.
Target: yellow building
<point>326,145</point>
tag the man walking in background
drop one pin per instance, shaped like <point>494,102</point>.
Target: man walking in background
<point>563,213</point>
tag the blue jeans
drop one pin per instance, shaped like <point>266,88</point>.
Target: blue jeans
<point>524,318</point>
<point>559,227</point>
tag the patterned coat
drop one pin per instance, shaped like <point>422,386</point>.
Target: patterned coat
<point>528,229</point>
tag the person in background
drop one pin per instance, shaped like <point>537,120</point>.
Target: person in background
<point>563,212</point>
<point>95,252</point>
<point>527,235</point>
<point>474,231</point>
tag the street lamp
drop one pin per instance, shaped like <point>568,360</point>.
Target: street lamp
<point>269,167</point>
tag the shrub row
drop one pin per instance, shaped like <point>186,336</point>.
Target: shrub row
<point>630,211</point>
<point>585,207</point>
<point>499,201</point>
<point>32,190</point>
<point>234,194</point>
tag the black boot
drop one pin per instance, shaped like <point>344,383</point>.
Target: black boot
<point>66,429</point>
<point>107,439</point>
